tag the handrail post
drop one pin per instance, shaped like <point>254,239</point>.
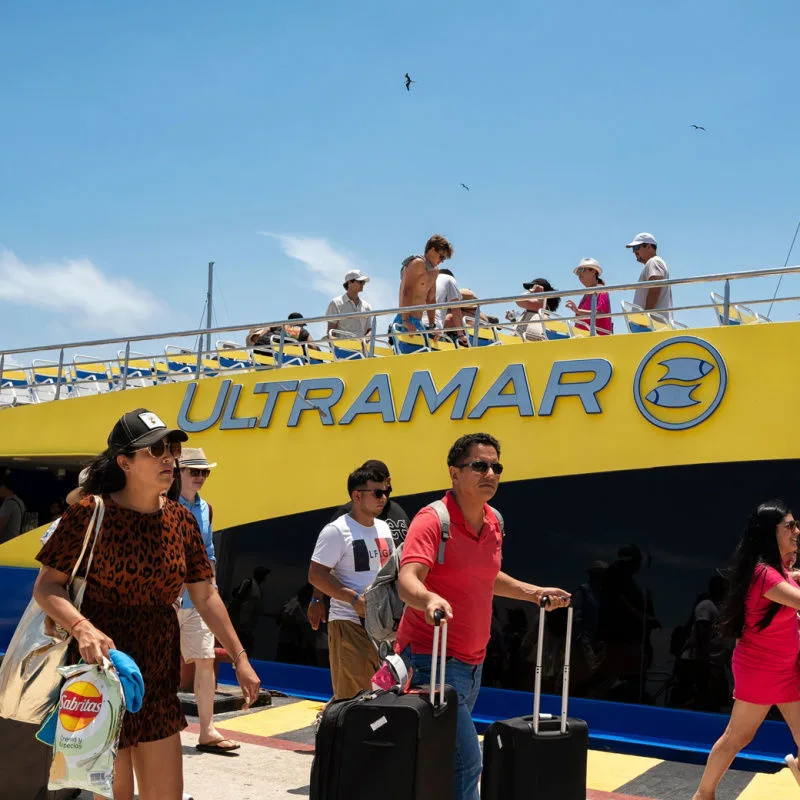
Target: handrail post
<point>2,364</point>
<point>125,364</point>
<point>593,317</point>
<point>476,326</point>
<point>60,373</point>
<point>726,303</point>
<point>372,333</point>
<point>199,356</point>
<point>280,346</point>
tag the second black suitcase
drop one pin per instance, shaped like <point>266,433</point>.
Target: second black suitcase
<point>389,745</point>
<point>537,757</point>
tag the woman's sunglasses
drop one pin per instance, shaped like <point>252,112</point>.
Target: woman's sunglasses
<point>379,493</point>
<point>482,467</point>
<point>198,473</point>
<point>157,449</point>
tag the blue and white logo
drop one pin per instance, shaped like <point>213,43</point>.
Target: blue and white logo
<point>680,383</point>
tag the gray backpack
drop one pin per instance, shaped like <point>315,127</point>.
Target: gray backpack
<point>384,608</point>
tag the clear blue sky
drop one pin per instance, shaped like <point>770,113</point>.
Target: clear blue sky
<point>139,141</point>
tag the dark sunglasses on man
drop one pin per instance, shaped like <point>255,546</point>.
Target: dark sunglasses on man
<point>379,493</point>
<point>198,473</point>
<point>482,467</point>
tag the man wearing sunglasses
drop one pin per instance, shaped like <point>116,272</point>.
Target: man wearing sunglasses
<point>462,584</point>
<point>393,515</point>
<point>197,641</point>
<point>348,555</point>
<point>644,248</point>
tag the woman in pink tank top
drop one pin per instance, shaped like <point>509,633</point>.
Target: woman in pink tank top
<point>761,613</point>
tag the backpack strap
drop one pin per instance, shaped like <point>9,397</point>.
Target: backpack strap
<point>444,522</point>
<point>499,518</point>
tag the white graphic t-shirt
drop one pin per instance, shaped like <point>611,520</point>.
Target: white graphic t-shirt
<point>354,554</point>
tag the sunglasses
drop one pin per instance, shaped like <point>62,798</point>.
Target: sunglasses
<point>158,449</point>
<point>637,247</point>
<point>198,473</point>
<point>792,524</point>
<point>379,493</point>
<point>482,467</point>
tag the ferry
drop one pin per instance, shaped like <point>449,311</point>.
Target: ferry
<point>631,460</point>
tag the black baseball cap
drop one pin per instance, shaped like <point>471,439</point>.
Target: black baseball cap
<point>141,428</point>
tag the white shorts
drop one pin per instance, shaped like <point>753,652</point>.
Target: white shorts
<point>197,641</point>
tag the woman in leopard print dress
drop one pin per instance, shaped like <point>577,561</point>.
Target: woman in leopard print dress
<point>148,548</point>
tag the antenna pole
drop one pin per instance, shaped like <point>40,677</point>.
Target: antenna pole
<point>209,303</point>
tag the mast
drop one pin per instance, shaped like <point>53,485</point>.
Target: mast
<point>209,302</point>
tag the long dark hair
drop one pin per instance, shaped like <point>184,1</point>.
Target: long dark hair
<point>758,545</point>
<point>106,476</point>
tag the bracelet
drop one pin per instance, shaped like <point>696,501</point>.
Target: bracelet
<point>75,624</point>
<point>237,657</point>
<point>316,600</point>
<point>355,600</point>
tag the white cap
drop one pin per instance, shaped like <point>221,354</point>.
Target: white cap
<point>643,238</point>
<point>355,275</point>
<point>588,263</point>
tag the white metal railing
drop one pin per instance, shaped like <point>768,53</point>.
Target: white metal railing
<point>72,373</point>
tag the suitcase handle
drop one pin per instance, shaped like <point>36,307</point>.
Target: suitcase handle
<point>439,625</point>
<point>537,687</point>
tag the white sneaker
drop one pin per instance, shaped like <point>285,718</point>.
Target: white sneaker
<point>187,797</point>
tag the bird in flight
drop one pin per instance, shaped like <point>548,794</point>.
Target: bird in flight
<point>697,127</point>
<point>408,82</point>
<point>465,186</point>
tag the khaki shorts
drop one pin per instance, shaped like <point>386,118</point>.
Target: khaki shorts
<point>354,659</point>
<point>197,641</point>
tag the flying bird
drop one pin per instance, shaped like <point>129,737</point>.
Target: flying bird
<point>697,127</point>
<point>465,186</point>
<point>408,82</point>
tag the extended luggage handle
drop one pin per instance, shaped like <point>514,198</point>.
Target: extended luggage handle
<point>439,624</point>
<point>537,687</point>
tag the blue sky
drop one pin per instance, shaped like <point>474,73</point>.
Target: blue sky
<point>142,140</point>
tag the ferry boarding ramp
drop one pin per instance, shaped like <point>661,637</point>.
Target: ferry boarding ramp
<point>649,446</point>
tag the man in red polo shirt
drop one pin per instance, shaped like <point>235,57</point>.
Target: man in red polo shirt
<point>462,587</point>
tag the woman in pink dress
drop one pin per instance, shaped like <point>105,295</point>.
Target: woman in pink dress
<point>589,272</point>
<point>761,613</point>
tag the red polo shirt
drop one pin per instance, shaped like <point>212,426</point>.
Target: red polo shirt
<point>465,580</point>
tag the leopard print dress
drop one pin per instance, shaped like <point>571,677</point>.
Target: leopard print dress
<point>140,564</point>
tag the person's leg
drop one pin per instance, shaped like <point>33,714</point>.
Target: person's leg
<point>465,679</point>
<point>159,769</point>
<point>123,776</point>
<point>205,684</point>
<point>745,720</point>
<point>791,713</point>
<point>334,646</point>
<point>357,657</point>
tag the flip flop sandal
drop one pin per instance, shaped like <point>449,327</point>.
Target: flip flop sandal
<point>215,747</point>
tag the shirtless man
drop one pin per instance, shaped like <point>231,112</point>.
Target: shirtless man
<point>418,281</point>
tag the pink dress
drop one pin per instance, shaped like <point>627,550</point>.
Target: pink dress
<point>765,662</point>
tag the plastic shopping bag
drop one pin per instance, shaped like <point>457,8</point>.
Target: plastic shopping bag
<point>90,710</point>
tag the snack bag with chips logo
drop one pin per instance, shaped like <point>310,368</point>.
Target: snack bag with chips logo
<point>90,709</point>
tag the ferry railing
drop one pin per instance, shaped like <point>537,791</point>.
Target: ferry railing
<point>370,344</point>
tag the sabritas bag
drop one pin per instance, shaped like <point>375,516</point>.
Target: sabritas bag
<point>90,710</point>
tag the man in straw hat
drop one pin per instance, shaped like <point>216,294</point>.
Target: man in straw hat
<point>197,641</point>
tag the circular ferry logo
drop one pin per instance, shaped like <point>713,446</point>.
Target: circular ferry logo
<point>80,704</point>
<point>680,383</point>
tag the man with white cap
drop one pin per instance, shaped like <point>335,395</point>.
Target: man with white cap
<point>644,248</point>
<point>197,641</point>
<point>350,303</point>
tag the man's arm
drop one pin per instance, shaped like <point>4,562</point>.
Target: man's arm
<point>653,294</point>
<point>413,592</point>
<point>506,586</point>
<point>320,576</point>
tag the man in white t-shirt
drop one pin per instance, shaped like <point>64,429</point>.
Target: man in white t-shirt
<point>350,303</point>
<point>12,511</point>
<point>447,291</point>
<point>348,554</point>
<point>644,248</point>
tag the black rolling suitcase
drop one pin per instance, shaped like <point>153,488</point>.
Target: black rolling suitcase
<point>537,757</point>
<point>388,745</point>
